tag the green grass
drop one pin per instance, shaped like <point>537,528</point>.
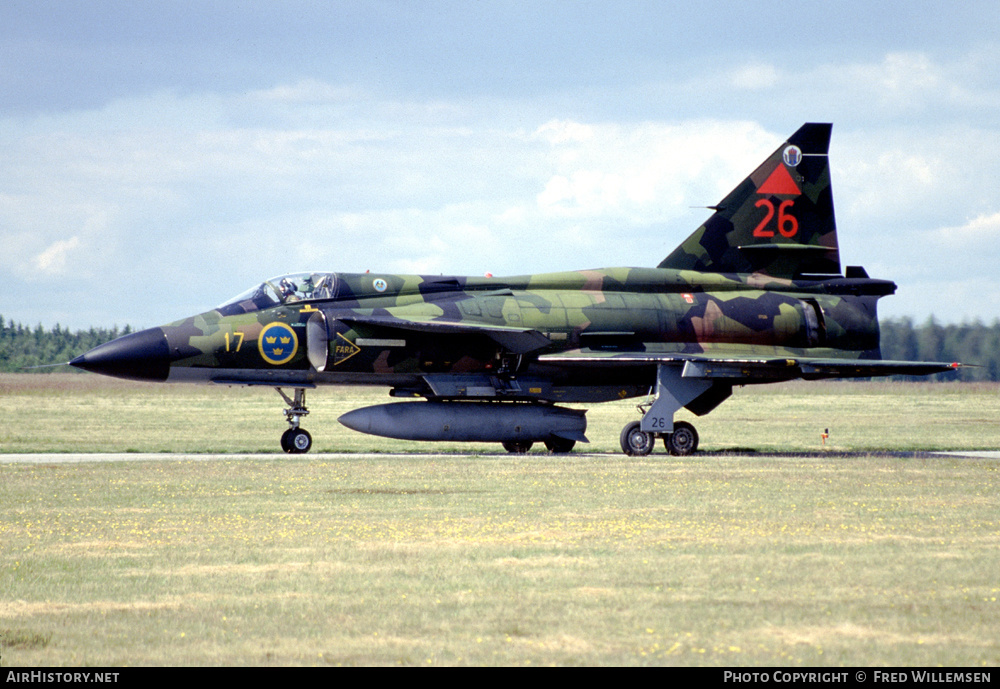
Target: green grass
<point>501,560</point>
<point>85,413</point>
<point>845,558</point>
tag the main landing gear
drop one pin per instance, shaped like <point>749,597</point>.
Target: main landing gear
<point>295,440</point>
<point>673,391</point>
<point>638,443</point>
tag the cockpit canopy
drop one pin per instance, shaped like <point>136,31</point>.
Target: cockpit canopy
<point>284,289</point>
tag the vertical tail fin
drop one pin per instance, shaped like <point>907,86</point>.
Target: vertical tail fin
<point>778,221</point>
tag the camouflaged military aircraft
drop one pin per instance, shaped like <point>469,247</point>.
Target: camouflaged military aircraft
<point>755,295</point>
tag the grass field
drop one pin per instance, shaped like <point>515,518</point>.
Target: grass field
<point>87,413</point>
<point>845,558</point>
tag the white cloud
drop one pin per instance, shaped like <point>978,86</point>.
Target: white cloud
<point>52,261</point>
<point>881,182</point>
<point>903,84</point>
<point>981,233</point>
<point>754,77</point>
<point>311,175</point>
<point>563,131</point>
<point>907,72</point>
<point>305,91</point>
<point>585,192</point>
<point>648,172</point>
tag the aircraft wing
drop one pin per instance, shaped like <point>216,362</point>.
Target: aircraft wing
<point>513,339</point>
<point>717,365</point>
<point>841,368</point>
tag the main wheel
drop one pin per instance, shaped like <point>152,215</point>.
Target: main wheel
<point>635,441</point>
<point>296,441</point>
<point>683,441</point>
<point>517,447</point>
<point>559,446</point>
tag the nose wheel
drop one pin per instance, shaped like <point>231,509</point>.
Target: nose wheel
<point>295,440</point>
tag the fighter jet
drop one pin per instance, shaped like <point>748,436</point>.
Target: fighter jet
<point>755,295</point>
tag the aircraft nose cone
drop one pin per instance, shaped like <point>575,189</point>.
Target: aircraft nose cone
<point>144,355</point>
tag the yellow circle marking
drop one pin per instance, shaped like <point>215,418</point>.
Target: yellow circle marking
<point>277,343</point>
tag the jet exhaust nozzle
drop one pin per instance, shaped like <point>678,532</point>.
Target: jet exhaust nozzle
<point>468,421</point>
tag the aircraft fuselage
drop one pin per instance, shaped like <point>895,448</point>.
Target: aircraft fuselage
<point>387,330</point>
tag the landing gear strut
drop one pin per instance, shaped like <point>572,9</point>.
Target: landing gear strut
<point>673,391</point>
<point>295,440</point>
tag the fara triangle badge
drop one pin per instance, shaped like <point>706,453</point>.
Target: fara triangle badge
<point>343,350</point>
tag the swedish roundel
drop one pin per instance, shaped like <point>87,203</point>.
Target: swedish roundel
<point>277,343</point>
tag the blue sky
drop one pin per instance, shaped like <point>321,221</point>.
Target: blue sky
<point>160,157</point>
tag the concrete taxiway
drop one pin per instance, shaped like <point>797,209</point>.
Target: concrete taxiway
<point>77,458</point>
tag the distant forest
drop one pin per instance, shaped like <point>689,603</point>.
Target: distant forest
<point>969,343</point>
<point>22,347</point>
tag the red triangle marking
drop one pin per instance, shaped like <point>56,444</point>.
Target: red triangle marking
<point>779,183</point>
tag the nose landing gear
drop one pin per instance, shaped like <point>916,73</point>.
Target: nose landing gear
<point>295,440</point>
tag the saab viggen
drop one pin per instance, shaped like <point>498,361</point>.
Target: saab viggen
<point>755,295</point>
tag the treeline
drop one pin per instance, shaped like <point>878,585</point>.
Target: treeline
<point>970,343</point>
<point>23,347</point>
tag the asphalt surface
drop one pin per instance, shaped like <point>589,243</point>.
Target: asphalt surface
<point>74,458</point>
